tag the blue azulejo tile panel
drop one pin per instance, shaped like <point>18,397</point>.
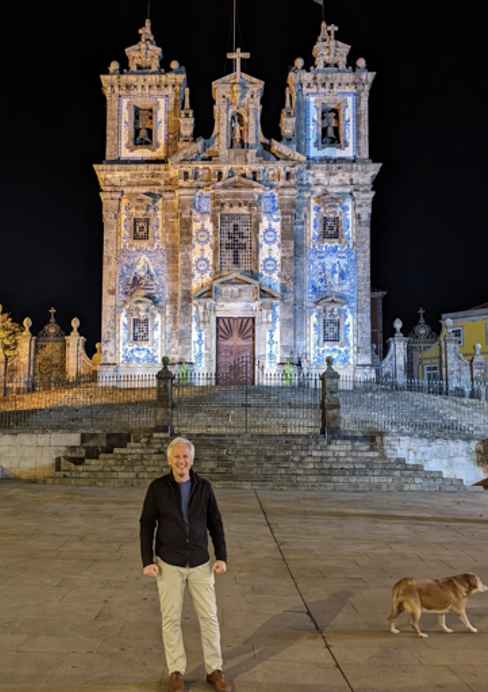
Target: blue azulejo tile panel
<point>332,276</point>
<point>345,105</point>
<point>135,353</point>
<point>269,242</point>
<point>273,338</point>
<point>202,241</point>
<point>198,342</point>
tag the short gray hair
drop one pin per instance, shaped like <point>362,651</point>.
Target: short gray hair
<point>181,441</point>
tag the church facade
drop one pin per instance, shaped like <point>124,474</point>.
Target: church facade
<point>237,248</point>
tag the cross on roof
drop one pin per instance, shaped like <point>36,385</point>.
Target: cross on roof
<point>237,56</point>
<point>421,312</point>
<point>52,311</point>
<point>332,29</point>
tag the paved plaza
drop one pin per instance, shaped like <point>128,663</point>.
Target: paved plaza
<point>302,607</point>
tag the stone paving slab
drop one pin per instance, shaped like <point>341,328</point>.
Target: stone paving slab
<point>302,607</point>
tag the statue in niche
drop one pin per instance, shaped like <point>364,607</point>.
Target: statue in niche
<point>236,126</point>
<point>143,126</point>
<point>329,126</point>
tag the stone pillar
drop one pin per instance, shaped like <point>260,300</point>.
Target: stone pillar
<point>478,364</point>
<point>170,240</point>
<point>363,199</point>
<point>394,365</point>
<point>330,404</point>
<point>456,370</point>
<point>26,344</point>
<point>185,277</point>
<point>288,340</point>
<point>110,328</point>
<point>164,397</point>
<point>302,214</point>
<point>75,348</point>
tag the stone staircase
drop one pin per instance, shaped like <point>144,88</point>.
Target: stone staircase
<point>352,463</point>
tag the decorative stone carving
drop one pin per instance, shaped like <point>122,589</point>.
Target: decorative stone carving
<point>329,52</point>
<point>145,55</point>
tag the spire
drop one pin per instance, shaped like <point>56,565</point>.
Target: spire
<point>145,55</point>
<point>329,52</point>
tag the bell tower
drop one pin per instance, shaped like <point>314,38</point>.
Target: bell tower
<point>145,114</point>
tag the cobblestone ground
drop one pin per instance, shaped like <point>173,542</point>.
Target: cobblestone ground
<point>302,607</point>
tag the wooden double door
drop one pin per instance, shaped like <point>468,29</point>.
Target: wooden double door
<point>235,350</point>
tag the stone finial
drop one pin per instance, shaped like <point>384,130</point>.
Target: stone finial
<point>299,63</point>
<point>114,67</point>
<point>361,64</point>
<point>477,349</point>
<point>398,324</point>
<point>448,323</point>
<point>329,52</point>
<point>145,55</point>
<point>27,325</point>
<point>75,324</point>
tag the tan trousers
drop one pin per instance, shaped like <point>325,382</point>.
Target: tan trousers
<point>201,584</point>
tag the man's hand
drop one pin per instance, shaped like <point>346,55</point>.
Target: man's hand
<point>219,567</point>
<point>151,570</point>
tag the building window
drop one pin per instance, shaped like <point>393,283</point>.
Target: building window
<point>143,126</point>
<point>331,329</point>
<point>330,227</point>
<point>458,334</point>
<point>236,247</point>
<point>140,230</point>
<point>140,329</point>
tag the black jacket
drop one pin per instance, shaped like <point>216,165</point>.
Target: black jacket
<point>178,543</point>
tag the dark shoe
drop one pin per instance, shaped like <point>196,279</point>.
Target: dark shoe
<point>176,682</point>
<point>216,679</point>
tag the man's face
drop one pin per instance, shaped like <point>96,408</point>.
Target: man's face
<point>180,461</point>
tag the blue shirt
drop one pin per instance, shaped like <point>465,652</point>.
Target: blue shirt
<point>185,490</point>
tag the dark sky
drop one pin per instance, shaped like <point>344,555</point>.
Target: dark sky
<point>429,118</point>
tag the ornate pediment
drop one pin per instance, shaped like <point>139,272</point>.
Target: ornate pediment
<point>236,288</point>
<point>239,182</point>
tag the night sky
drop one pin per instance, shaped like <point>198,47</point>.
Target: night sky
<point>429,117</point>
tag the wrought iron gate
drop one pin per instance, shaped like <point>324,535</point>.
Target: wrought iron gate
<point>279,403</point>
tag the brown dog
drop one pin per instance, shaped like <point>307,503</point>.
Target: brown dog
<point>434,596</point>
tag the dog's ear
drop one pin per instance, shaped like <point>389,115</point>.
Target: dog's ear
<point>471,581</point>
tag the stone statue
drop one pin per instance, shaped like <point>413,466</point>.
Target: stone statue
<point>293,79</point>
<point>329,125</point>
<point>236,132</point>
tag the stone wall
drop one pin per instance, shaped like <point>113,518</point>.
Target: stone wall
<point>32,455</point>
<point>456,458</point>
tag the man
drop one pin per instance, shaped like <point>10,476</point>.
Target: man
<point>183,507</point>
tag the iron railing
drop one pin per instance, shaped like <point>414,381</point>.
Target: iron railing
<point>279,403</point>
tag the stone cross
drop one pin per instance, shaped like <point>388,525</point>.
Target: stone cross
<point>52,311</point>
<point>421,312</point>
<point>238,56</point>
<point>333,28</point>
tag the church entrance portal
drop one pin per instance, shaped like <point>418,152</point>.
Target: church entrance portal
<point>235,350</point>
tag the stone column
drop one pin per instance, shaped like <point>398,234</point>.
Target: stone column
<point>455,368</point>
<point>110,329</point>
<point>288,340</point>
<point>363,199</point>
<point>330,404</point>
<point>164,396</point>
<point>362,121</point>
<point>75,348</point>
<point>26,344</point>
<point>478,364</point>
<point>301,218</point>
<point>170,240</point>
<point>185,294</point>
<point>395,363</point>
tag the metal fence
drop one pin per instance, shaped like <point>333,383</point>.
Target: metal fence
<point>278,403</point>
<point>111,403</point>
<point>282,403</point>
<point>414,407</point>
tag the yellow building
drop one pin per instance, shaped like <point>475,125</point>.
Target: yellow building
<point>470,327</point>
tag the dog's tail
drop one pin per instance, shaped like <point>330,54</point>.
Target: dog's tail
<point>397,597</point>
